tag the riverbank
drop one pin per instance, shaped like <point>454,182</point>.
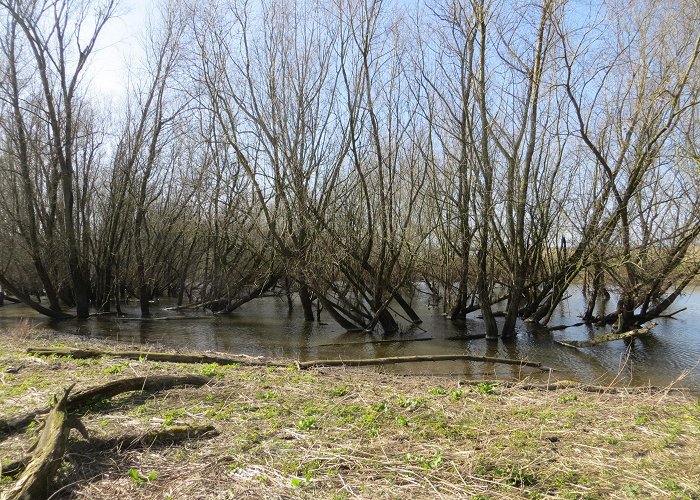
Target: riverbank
<point>351,433</point>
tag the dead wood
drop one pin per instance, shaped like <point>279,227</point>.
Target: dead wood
<point>564,327</point>
<point>105,391</point>
<point>570,384</point>
<point>147,355</point>
<point>610,337</point>
<point>46,457</point>
<point>415,359</point>
<point>376,342</point>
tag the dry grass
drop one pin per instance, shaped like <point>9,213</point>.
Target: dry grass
<point>352,433</point>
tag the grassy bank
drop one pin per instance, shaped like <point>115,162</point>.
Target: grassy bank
<point>349,433</point>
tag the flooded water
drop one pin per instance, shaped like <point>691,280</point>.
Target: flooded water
<point>264,327</point>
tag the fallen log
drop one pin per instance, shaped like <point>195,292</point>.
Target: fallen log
<point>47,455</point>
<point>610,337</point>
<point>105,391</point>
<point>376,342</point>
<point>146,355</point>
<point>159,437</point>
<point>302,365</point>
<point>570,384</point>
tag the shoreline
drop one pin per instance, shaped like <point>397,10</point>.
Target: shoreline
<point>355,433</point>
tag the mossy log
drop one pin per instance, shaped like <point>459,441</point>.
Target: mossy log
<point>416,359</point>
<point>146,355</point>
<point>46,458</point>
<point>108,390</point>
<point>610,337</point>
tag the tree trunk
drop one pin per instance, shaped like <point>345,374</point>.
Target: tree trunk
<point>415,359</point>
<point>306,302</point>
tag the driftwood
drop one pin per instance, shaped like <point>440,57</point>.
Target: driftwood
<point>570,384</point>
<point>147,355</point>
<point>564,327</point>
<point>111,389</point>
<point>46,457</point>
<point>158,437</point>
<point>610,337</point>
<point>376,342</point>
<point>414,359</point>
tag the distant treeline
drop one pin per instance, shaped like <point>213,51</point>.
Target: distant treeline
<point>343,150</point>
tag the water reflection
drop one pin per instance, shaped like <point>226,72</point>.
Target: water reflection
<point>265,327</point>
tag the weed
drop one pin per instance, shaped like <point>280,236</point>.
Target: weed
<point>522,412</point>
<point>170,416</point>
<point>210,369</point>
<point>265,396</point>
<point>437,391</point>
<point>340,391</point>
<point>142,479</point>
<point>114,369</point>
<point>456,395</point>
<point>568,398</point>
<point>431,463</point>
<point>632,491</point>
<point>485,388</point>
<point>641,420</point>
<point>411,404</point>
<point>307,423</point>
<point>671,485</point>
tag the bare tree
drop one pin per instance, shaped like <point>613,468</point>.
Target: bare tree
<point>60,35</point>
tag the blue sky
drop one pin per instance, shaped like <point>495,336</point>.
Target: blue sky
<point>118,47</point>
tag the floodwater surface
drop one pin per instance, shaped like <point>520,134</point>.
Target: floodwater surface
<point>264,327</point>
